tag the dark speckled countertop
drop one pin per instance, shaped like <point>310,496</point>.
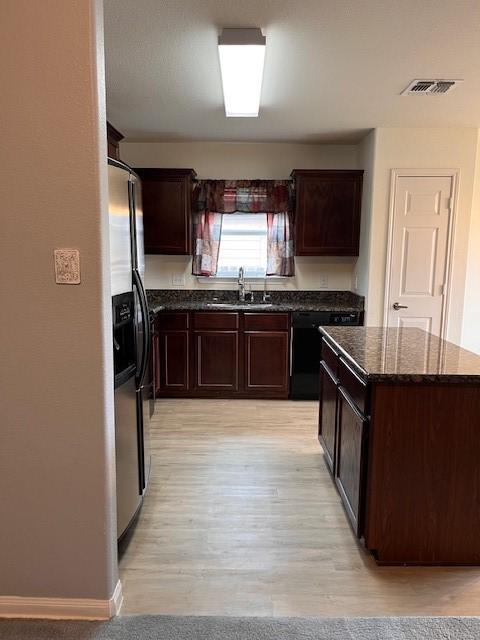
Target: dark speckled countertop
<point>403,355</point>
<point>216,300</point>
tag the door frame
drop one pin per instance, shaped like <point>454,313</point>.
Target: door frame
<point>428,173</point>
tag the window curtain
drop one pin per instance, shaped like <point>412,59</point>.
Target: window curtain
<point>207,231</point>
<point>214,198</point>
<point>280,261</point>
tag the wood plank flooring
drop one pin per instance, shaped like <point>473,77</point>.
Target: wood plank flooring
<point>242,518</point>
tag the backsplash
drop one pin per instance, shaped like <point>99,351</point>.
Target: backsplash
<point>311,274</point>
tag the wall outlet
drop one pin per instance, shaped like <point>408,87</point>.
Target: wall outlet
<point>178,279</point>
<point>323,281</point>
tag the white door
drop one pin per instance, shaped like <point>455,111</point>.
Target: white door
<point>419,244</point>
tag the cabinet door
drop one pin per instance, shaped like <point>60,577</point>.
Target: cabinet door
<point>167,210</point>
<point>327,216</point>
<point>266,363</point>
<point>113,139</point>
<point>156,361</point>
<point>327,424</point>
<point>350,464</point>
<point>174,362</point>
<point>216,361</point>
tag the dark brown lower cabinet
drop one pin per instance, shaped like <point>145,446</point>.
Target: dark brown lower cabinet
<point>223,354</point>
<point>327,432</point>
<point>156,361</point>
<point>343,429</point>
<point>174,360</point>
<point>173,371</point>
<point>266,362</point>
<point>216,360</point>
<point>351,458</point>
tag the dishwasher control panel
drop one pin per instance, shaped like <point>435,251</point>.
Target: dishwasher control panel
<point>315,319</point>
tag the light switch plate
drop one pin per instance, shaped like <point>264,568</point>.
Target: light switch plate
<point>67,266</point>
<point>323,283</point>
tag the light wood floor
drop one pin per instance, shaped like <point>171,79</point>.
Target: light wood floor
<point>242,518</point>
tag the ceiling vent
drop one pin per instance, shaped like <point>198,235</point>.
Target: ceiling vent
<point>430,87</point>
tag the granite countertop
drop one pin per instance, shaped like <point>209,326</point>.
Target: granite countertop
<point>227,300</point>
<point>403,355</point>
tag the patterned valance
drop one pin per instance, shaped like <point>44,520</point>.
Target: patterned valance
<point>244,196</point>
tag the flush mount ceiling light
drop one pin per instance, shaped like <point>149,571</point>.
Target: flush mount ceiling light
<point>242,53</point>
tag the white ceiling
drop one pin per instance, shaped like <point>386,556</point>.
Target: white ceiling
<point>333,68</point>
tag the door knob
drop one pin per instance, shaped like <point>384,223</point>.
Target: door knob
<point>397,306</point>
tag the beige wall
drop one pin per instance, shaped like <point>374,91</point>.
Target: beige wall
<point>160,271</point>
<point>222,160</point>
<point>57,533</point>
<point>453,148</point>
<point>366,161</point>
<point>236,160</point>
<point>471,313</point>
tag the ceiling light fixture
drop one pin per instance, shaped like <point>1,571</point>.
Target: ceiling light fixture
<point>242,53</point>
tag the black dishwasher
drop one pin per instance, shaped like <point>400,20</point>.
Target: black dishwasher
<point>306,342</point>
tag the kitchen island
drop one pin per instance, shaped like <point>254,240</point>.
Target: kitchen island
<point>400,429</point>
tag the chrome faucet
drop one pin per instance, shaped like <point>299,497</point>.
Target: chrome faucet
<point>266,296</point>
<point>241,285</point>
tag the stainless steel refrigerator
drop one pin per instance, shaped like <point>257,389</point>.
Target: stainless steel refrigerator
<point>134,399</point>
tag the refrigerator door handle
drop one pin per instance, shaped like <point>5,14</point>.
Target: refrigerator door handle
<point>137,281</point>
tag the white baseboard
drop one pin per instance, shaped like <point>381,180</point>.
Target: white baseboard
<point>62,608</point>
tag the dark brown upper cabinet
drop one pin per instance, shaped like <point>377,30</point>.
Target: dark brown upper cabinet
<point>167,210</point>
<point>113,140</point>
<point>327,212</point>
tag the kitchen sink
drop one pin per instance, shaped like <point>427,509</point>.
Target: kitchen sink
<point>233,305</point>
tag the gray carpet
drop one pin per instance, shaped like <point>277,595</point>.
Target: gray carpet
<point>221,628</point>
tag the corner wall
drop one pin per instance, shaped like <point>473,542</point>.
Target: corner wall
<point>446,148</point>
<point>366,161</point>
<point>57,459</point>
<point>471,311</point>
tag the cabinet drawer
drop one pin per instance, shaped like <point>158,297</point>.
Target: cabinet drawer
<point>172,321</point>
<point>330,357</point>
<point>214,320</point>
<point>266,322</point>
<point>355,387</point>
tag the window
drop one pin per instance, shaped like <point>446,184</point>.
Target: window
<point>243,243</point>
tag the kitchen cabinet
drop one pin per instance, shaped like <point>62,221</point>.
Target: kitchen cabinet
<point>343,428</point>
<point>224,354</point>
<point>216,360</point>
<point>113,141</point>
<point>266,340</point>
<point>172,354</point>
<point>327,212</point>
<point>350,458</point>
<point>155,359</point>
<point>327,432</point>
<point>167,210</point>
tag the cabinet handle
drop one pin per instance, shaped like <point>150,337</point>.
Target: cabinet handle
<point>354,373</point>
<point>350,402</point>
